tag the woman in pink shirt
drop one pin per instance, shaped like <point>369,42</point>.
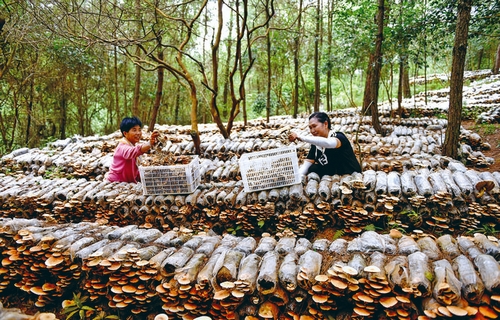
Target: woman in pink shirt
<point>124,167</point>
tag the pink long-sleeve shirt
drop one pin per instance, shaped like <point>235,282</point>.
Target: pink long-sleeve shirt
<point>124,167</point>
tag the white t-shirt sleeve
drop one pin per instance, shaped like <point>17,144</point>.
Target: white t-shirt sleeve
<point>304,168</point>
<point>321,142</point>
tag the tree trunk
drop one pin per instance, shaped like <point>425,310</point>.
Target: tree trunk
<point>496,68</point>
<point>374,76</point>
<point>406,79</point>
<point>117,92</point>
<point>137,90</point>
<point>269,73</point>
<point>367,95</point>
<point>317,89</point>
<point>29,111</point>
<point>480,55</point>
<point>450,147</point>
<point>330,7</point>
<point>63,104</point>
<point>137,82</point>
<point>159,94</point>
<point>296,64</point>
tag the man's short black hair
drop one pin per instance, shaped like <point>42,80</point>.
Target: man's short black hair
<point>128,123</point>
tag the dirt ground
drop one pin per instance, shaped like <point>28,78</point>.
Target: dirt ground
<point>493,138</point>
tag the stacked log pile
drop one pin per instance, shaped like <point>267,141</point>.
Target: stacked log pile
<point>139,271</point>
<point>436,200</point>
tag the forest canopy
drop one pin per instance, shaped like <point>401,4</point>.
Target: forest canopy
<point>78,67</point>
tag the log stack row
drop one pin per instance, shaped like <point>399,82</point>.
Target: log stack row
<point>406,139</point>
<point>139,271</point>
<point>438,200</point>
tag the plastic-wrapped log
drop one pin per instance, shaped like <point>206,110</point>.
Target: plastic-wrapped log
<point>247,275</point>
<point>420,274</point>
<point>287,273</point>
<point>177,260</point>
<point>208,244</point>
<point>302,246</point>
<point>324,188</point>
<point>284,194</point>
<point>381,183</point>
<point>394,184</point>
<point>463,183</point>
<point>408,186</point>
<point>487,246</point>
<point>468,247</point>
<point>371,241</point>
<point>430,248</point>
<point>309,267</point>
<point>370,179</point>
<point>311,188</point>
<point>338,246</point>
<point>285,245</point>
<point>378,260</point>
<point>241,199</point>
<point>453,188</point>
<point>266,244</point>
<point>267,279</point>
<point>448,245</point>
<point>188,273</point>
<point>471,283</point>
<point>262,196</point>
<point>226,268</point>
<point>424,187</point>
<point>446,286</point>
<point>398,274</point>
<point>489,269</point>
<point>358,263</point>
<point>205,276</point>
<point>246,245</point>
<point>474,178</point>
<point>407,245</point>
<point>296,192</point>
<point>335,189</point>
<point>438,185</point>
<point>274,195</point>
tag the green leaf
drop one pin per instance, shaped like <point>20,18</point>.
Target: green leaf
<point>82,314</point>
<point>69,309</point>
<point>71,314</point>
<point>261,223</point>
<point>87,308</point>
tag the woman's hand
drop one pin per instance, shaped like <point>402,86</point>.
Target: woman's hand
<point>293,136</point>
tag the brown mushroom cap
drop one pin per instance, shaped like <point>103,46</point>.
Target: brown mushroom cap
<point>457,311</point>
<point>161,316</point>
<point>388,302</point>
<point>487,185</point>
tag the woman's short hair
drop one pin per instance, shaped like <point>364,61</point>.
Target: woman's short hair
<point>128,123</point>
<point>321,117</point>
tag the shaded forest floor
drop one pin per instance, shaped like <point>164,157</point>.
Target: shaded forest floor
<point>489,133</point>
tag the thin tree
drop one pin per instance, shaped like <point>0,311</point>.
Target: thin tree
<point>317,88</point>
<point>370,100</point>
<point>450,146</point>
<point>296,58</point>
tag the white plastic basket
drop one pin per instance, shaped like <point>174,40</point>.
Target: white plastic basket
<point>175,179</point>
<point>269,169</point>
